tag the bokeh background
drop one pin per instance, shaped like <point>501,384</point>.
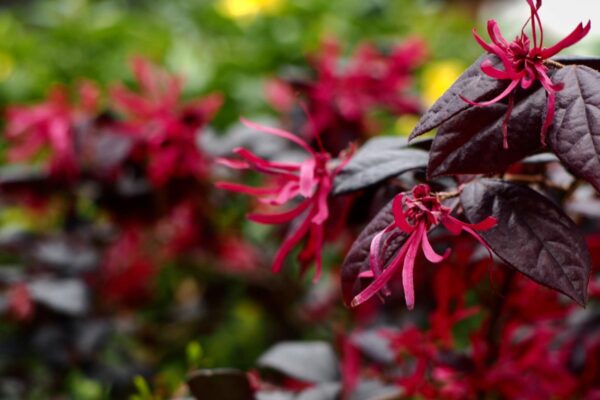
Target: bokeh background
<point>197,311</point>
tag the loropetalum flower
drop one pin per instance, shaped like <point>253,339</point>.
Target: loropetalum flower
<point>414,215</point>
<point>525,64</point>
<point>50,125</point>
<point>339,100</point>
<point>311,180</point>
<point>167,130</point>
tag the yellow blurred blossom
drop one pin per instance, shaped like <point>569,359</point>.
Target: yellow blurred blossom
<point>405,124</point>
<point>438,77</point>
<point>238,9</point>
<point>7,66</point>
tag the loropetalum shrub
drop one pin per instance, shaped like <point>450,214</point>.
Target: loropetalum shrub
<point>115,185</point>
<point>512,170</point>
<point>468,257</point>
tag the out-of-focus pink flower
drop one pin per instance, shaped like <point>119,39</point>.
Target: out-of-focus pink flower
<point>340,100</point>
<point>238,255</point>
<point>20,303</point>
<point>50,125</point>
<point>167,129</point>
<point>311,180</point>
<point>424,211</point>
<point>180,229</point>
<point>524,64</point>
<point>127,271</point>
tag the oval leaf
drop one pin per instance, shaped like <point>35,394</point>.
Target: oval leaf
<point>222,384</point>
<point>357,259</point>
<point>472,84</point>
<point>575,133</point>
<point>532,235</point>
<point>471,142</point>
<point>313,362</point>
<point>379,159</point>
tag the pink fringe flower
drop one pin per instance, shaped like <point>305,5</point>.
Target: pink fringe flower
<point>50,125</point>
<point>166,128</point>
<point>311,180</point>
<point>523,64</point>
<point>413,217</point>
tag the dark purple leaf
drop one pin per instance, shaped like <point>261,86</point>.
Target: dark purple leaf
<point>471,142</point>
<point>63,253</point>
<point>375,345</point>
<point>68,296</point>
<point>357,259</point>
<point>275,395</point>
<point>375,390</point>
<point>472,84</point>
<point>575,134</point>
<point>379,159</point>
<point>222,384</point>
<point>533,235</point>
<point>324,391</point>
<point>313,362</point>
<point>588,61</point>
<point>542,158</point>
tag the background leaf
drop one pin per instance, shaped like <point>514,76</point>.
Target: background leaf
<point>225,384</point>
<point>379,159</point>
<point>549,249</point>
<point>313,362</point>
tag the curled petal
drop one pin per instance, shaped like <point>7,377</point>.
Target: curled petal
<point>578,33</point>
<point>409,265</point>
<point>484,225</point>
<point>253,191</point>
<point>385,276</point>
<point>400,216</point>
<point>278,132</point>
<point>322,210</point>
<point>501,96</point>
<point>280,218</point>
<point>233,164</point>
<point>285,193</point>
<point>290,242</point>
<point>307,177</point>
<point>430,253</point>
<point>254,159</point>
<point>488,69</point>
<point>495,34</point>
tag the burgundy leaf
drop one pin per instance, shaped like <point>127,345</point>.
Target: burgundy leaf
<point>379,159</point>
<point>313,362</point>
<point>575,133</point>
<point>223,384</point>
<point>471,142</point>
<point>472,84</point>
<point>532,235</point>
<point>357,260</point>
<point>588,61</point>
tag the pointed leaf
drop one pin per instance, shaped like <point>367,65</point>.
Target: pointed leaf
<point>357,259</point>
<point>222,384</point>
<point>532,235</point>
<point>472,84</point>
<point>379,159</point>
<point>471,142</point>
<point>575,133</point>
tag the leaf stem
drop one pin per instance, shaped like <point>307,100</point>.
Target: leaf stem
<point>553,63</point>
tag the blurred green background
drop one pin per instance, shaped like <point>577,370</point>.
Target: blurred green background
<point>226,45</point>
